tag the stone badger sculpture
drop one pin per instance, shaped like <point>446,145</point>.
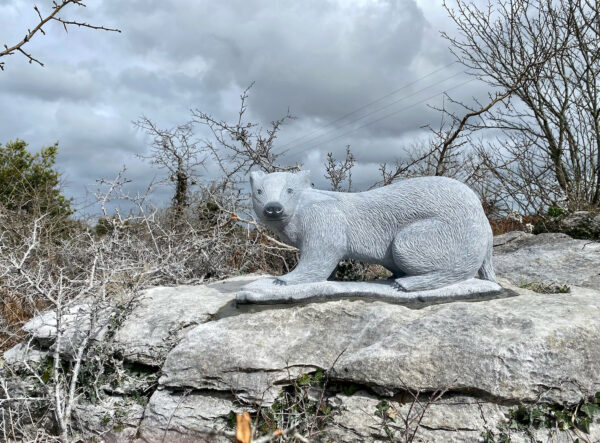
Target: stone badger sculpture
<point>430,232</point>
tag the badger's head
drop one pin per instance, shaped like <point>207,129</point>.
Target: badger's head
<point>275,196</point>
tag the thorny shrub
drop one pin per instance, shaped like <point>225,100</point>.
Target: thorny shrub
<point>92,277</point>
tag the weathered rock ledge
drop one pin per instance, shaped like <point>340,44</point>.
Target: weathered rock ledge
<point>487,356</point>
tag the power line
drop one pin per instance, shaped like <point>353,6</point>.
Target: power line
<point>368,114</point>
<point>395,91</point>
<point>386,116</point>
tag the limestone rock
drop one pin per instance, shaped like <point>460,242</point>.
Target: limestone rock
<point>452,419</point>
<point>548,258</point>
<point>162,317</point>
<point>159,318</point>
<point>510,237</point>
<point>24,352</point>
<point>491,354</point>
<point>581,224</point>
<point>75,325</point>
<point>521,349</point>
<point>187,417</point>
<point>114,418</point>
<point>234,284</point>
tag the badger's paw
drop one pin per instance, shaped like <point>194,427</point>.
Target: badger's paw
<point>397,285</point>
<point>279,282</point>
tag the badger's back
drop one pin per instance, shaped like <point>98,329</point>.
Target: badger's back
<point>412,199</point>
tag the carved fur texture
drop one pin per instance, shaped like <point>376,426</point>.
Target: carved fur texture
<point>430,232</point>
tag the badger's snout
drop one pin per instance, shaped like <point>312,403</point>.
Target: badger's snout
<point>273,210</point>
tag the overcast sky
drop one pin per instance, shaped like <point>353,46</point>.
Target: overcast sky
<point>322,59</point>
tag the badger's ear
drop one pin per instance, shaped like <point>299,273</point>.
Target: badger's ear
<point>255,176</point>
<point>304,177</point>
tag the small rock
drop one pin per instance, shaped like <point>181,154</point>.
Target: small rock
<point>75,326</point>
<point>114,418</point>
<point>512,236</point>
<point>187,417</point>
<point>24,352</point>
<point>579,224</point>
<point>547,258</point>
<point>577,219</point>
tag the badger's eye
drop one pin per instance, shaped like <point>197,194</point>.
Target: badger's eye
<point>259,191</point>
<point>290,190</point>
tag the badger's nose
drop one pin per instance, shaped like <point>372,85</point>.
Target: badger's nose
<point>273,210</point>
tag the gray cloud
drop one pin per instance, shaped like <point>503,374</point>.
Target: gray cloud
<point>319,58</point>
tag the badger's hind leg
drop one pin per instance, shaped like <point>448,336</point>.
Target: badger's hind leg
<point>434,253</point>
<point>433,280</point>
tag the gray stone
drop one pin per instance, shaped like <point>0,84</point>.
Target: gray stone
<point>75,326</point>
<point>521,349</point>
<point>452,419</point>
<point>430,232</point>
<point>233,284</point>
<point>548,258</point>
<point>187,417</point>
<point>578,219</point>
<point>24,352</point>
<point>595,223</point>
<point>161,318</point>
<point>264,291</point>
<point>112,418</point>
<point>513,236</point>
<point>581,224</point>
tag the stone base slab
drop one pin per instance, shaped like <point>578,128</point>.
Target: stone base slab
<point>265,291</point>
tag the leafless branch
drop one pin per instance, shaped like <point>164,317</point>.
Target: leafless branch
<point>43,20</point>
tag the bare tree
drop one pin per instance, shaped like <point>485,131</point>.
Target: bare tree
<point>339,171</point>
<point>44,19</point>
<point>239,146</point>
<point>448,152</point>
<point>548,53</point>
<point>177,151</point>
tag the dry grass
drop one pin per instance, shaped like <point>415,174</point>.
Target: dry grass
<point>14,313</point>
<point>510,223</point>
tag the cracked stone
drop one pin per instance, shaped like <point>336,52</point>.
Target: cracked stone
<point>528,348</point>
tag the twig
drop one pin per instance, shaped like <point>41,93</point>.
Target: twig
<point>39,28</point>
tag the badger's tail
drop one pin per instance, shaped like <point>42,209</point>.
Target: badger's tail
<point>486,272</point>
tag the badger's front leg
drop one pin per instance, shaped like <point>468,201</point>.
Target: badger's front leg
<point>317,261</point>
<point>314,266</point>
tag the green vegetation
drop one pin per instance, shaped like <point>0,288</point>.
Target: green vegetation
<point>303,406</point>
<point>387,413</point>
<point>555,211</point>
<point>529,418</point>
<point>29,182</point>
<point>545,288</point>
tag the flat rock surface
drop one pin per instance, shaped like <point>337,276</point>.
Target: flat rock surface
<point>162,316</point>
<point>528,348</point>
<point>266,291</point>
<point>549,258</point>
